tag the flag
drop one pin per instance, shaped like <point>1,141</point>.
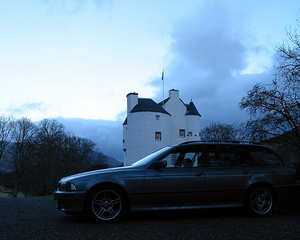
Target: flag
<point>162,74</point>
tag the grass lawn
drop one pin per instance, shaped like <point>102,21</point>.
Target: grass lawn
<point>45,197</point>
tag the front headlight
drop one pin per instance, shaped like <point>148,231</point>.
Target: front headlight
<point>67,186</point>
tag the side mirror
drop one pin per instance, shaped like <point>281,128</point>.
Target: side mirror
<point>159,164</point>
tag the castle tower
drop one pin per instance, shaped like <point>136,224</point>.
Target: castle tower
<point>150,126</point>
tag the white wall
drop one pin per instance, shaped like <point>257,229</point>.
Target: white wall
<point>140,134</point>
<point>193,125</point>
<point>132,101</point>
<point>177,109</point>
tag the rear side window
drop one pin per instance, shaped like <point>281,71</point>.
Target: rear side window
<point>265,157</point>
<point>227,156</point>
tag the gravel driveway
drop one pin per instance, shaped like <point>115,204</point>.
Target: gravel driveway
<point>25,218</point>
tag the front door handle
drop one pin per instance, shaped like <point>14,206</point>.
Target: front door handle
<point>198,174</point>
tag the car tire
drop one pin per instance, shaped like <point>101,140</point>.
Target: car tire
<point>260,201</point>
<point>106,204</point>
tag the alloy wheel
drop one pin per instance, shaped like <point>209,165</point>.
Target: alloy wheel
<point>107,205</point>
<point>261,201</point>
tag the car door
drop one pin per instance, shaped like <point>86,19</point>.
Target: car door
<point>181,183</point>
<point>227,175</point>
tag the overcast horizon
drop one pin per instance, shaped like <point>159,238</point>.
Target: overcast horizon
<point>76,60</point>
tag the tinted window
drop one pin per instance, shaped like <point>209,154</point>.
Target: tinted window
<point>265,157</point>
<point>183,159</point>
<point>227,156</point>
<point>151,157</point>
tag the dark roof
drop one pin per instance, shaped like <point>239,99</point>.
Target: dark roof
<point>125,122</point>
<point>163,102</point>
<point>148,105</point>
<point>192,110</point>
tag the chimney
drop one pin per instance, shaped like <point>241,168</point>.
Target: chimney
<point>132,101</point>
<point>174,93</point>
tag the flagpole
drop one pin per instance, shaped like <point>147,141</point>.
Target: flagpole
<point>163,79</point>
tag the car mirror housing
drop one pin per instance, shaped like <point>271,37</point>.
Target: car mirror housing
<point>159,164</point>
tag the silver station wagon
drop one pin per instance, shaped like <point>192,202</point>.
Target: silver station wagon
<point>186,176</point>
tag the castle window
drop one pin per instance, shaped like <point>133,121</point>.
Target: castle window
<point>157,117</point>
<point>181,133</point>
<point>190,134</point>
<point>174,158</point>
<point>158,136</point>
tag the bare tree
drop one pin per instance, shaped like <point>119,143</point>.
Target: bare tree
<point>86,148</point>
<point>21,149</point>
<point>49,142</point>
<point>40,156</point>
<point>221,132</point>
<point>288,57</point>
<point>5,133</point>
<point>76,154</point>
<point>274,108</point>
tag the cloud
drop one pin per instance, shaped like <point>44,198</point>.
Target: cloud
<point>26,109</point>
<point>208,41</point>
<point>209,57</point>
<point>207,50</point>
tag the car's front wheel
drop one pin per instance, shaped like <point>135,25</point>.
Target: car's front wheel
<point>260,201</point>
<point>106,204</point>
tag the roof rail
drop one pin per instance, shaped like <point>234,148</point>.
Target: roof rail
<point>246,142</point>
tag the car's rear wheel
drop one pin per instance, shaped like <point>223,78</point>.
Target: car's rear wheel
<point>106,204</point>
<point>260,201</point>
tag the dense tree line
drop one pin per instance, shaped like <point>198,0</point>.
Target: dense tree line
<point>39,155</point>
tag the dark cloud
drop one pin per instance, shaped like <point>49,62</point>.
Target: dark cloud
<point>206,41</point>
<point>209,57</point>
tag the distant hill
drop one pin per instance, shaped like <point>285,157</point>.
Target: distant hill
<point>102,158</point>
<point>107,135</point>
<point>112,162</point>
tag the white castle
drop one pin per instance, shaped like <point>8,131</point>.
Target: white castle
<point>150,126</point>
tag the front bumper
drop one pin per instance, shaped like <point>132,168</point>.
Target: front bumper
<point>70,202</point>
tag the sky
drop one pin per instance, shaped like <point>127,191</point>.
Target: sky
<point>76,60</point>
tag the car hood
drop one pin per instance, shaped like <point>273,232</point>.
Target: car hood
<point>97,172</point>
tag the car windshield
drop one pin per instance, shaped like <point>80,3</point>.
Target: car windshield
<point>151,157</point>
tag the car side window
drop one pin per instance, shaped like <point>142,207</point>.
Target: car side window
<point>265,157</point>
<point>183,159</point>
<point>227,157</point>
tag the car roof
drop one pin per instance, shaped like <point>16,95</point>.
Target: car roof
<point>225,143</point>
